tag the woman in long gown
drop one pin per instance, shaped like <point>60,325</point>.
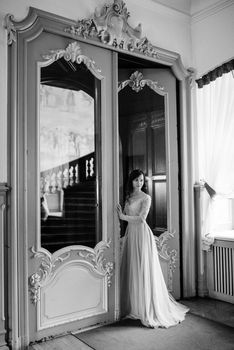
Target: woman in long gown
<point>144,294</point>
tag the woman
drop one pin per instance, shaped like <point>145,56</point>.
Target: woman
<point>144,294</point>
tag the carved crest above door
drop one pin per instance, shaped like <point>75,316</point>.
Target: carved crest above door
<point>110,25</point>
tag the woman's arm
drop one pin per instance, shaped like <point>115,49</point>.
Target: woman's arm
<point>138,218</point>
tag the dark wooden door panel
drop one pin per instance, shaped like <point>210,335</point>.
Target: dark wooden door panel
<point>139,147</point>
<point>160,204</point>
<point>158,150</point>
<point>147,151</point>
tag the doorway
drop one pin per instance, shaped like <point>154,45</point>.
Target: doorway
<point>148,140</point>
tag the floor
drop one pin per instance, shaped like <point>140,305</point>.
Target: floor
<point>212,309</point>
<point>218,311</point>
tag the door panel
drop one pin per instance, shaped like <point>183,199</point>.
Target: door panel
<point>168,189</point>
<point>138,146</point>
<point>148,125</point>
<point>158,149</point>
<point>70,285</point>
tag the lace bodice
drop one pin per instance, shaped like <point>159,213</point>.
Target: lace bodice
<point>136,210</point>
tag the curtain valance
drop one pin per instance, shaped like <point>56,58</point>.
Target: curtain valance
<point>215,73</point>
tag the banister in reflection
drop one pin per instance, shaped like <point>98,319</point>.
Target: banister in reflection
<point>68,174</point>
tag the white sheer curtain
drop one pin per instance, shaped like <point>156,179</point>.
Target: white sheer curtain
<point>215,132</point>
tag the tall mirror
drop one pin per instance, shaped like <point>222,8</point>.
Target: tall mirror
<point>69,156</point>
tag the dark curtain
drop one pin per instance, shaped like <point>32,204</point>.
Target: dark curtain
<point>215,73</point>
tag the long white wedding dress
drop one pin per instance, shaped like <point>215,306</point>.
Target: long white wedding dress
<point>144,294</point>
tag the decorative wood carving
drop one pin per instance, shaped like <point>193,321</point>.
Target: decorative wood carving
<point>49,263</point>
<point>96,258</point>
<point>137,83</point>
<point>207,242</point>
<point>45,271</point>
<point>73,53</point>
<point>165,254</point>
<point>192,76</point>
<point>110,26</point>
<point>11,31</point>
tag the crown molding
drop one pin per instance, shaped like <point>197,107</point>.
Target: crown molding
<point>211,10</point>
<point>172,8</point>
<point>198,15</point>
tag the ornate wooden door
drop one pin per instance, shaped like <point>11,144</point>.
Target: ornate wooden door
<point>148,135</point>
<point>63,138</point>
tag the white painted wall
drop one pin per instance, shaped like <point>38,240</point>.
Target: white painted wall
<point>212,37</point>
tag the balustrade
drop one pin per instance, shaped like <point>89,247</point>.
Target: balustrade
<point>69,174</point>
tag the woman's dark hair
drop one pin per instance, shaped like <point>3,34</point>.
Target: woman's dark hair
<point>133,175</point>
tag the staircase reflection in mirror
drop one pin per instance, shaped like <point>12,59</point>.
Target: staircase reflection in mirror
<point>68,138</point>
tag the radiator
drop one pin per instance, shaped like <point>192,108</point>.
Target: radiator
<point>221,270</point>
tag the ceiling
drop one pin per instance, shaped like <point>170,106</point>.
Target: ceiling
<point>190,7</point>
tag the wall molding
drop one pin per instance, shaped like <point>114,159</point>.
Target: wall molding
<point>3,268</point>
<point>197,15</point>
<point>172,9</point>
<point>211,10</point>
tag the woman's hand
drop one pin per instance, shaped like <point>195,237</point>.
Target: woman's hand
<point>119,211</point>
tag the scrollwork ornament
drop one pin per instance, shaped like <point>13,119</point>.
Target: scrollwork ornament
<point>109,268</point>
<point>110,26</point>
<point>137,83</point>
<point>161,241</point>
<point>96,258</point>
<point>166,254</point>
<point>34,283</point>
<point>120,8</point>
<point>84,27</point>
<point>46,269</point>
<point>173,259</point>
<point>207,242</point>
<point>154,85</point>
<point>72,53</point>
<point>48,264</point>
<point>11,31</point>
<point>192,76</point>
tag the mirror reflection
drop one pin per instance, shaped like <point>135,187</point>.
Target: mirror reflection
<point>68,154</point>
